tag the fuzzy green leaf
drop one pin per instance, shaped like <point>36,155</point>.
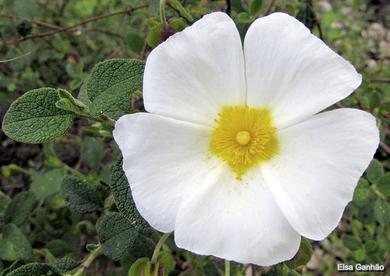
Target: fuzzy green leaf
<point>118,235</point>
<point>92,151</point>
<point>80,196</point>
<point>34,269</point>
<point>46,184</point>
<point>120,189</point>
<point>34,117</point>
<point>111,84</point>
<point>65,264</point>
<point>14,244</point>
<point>69,103</point>
<point>20,208</point>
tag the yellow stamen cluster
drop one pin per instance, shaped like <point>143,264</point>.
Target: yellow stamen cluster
<point>244,137</point>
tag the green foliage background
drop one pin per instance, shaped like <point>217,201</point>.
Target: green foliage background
<point>65,205</point>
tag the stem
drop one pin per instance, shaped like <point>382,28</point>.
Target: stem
<point>88,261</point>
<point>158,247</point>
<point>162,12</point>
<point>182,11</point>
<point>227,268</point>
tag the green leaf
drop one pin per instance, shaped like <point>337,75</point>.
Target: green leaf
<point>244,17</point>
<point>383,184</point>
<point>118,235</point>
<point>14,244</point>
<point>351,242</point>
<point>135,42</point>
<point>154,36</point>
<point>255,7</point>
<point>362,191</point>
<point>111,84</point>
<point>65,264</point>
<point>303,256</point>
<point>46,184</point>
<point>34,269</point>
<point>12,267</point>
<point>165,260</point>
<point>141,266</point>
<point>120,189</point>
<point>80,196</point>
<point>375,171</point>
<point>34,118</point>
<point>92,151</point>
<point>20,208</point>
<point>83,96</point>
<point>68,103</point>
<point>382,211</point>
<point>360,254</point>
<point>4,201</point>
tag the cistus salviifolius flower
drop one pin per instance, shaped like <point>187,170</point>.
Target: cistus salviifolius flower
<point>234,156</point>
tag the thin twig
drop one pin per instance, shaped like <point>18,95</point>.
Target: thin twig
<point>72,27</point>
<point>37,22</point>
<point>228,7</point>
<point>381,80</point>
<point>269,8</point>
<point>384,147</point>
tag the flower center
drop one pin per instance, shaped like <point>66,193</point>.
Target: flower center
<point>244,137</point>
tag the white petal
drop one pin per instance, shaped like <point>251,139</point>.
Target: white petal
<point>194,72</point>
<point>163,159</point>
<point>235,220</point>
<point>293,72</point>
<point>318,167</point>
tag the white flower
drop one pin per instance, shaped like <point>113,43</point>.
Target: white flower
<point>233,156</point>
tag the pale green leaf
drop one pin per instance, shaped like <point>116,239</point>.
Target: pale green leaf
<point>14,244</point>
<point>46,184</point>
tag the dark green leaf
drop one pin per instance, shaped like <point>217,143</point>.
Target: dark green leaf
<point>14,244</point>
<point>20,208</point>
<point>118,235</point>
<point>382,211</point>
<point>362,191</point>
<point>351,242</point>
<point>375,171</point>
<point>80,196</point>
<point>303,256</point>
<point>111,84</point>
<point>120,189</point>
<point>135,42</point>
<point>34,269</point>
<point>65,264</point>
<point>383,184</point>
<point>34,118</point>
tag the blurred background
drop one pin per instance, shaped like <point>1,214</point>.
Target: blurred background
<point>55,43</point>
